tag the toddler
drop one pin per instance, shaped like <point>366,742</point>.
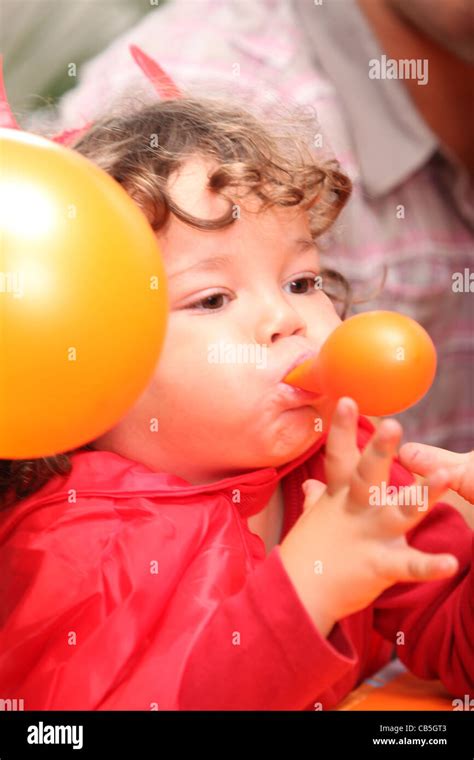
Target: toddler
<point>218,548</point>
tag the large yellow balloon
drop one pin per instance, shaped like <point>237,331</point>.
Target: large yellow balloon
<point>83,299</point>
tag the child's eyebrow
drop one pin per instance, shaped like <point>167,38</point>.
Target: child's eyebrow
<point>219,262</point>
<point>213,262</point>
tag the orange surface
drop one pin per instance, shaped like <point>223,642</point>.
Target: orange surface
<point>385,361</point>
<point>403,692</point>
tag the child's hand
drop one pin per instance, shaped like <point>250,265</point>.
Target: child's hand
<point>421,459</point>
<point>342,552</point>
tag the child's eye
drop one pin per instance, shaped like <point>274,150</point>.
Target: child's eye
<point>310,281</point>
<point>208,303</point>
<point>213,302</point>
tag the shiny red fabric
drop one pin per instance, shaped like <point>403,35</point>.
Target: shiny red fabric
<point>127,589</point>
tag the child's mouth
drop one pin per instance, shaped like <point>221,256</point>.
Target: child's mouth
<point>295,397</point>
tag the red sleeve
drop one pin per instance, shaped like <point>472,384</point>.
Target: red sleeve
<point>257,650</point>
<point>87,626</point>
<point>282,660</point>
<point>432,623</point>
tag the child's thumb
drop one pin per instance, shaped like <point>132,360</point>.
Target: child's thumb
<point>312,490</point>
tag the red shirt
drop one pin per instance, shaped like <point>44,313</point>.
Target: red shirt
<point>127,589</point>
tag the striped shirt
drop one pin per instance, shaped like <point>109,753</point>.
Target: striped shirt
<point>412,209</point>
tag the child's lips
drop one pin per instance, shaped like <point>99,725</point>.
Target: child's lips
<point>295,397</point>
<point>290,395</point>
<point>299,360</point>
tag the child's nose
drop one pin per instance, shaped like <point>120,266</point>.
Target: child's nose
<point>278,319</point>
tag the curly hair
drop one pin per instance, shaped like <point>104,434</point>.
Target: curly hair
<point>273,161</point>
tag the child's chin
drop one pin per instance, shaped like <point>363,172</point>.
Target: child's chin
<point>292,444</point>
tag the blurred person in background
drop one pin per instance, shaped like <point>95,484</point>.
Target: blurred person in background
<point>392,83</point>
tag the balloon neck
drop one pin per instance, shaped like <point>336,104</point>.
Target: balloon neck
<point>306,376</point>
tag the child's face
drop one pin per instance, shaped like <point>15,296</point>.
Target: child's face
<point>221,408</point>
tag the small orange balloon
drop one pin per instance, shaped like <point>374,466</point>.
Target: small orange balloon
<point>83,299</point>
<point>385,361</point>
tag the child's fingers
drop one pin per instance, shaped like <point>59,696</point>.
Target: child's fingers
<point>421,458</point>
<point>313,490</point>
<point>415,501</point>
<point>341,452</point>
<point>374,465</point>
<point>414,565</point>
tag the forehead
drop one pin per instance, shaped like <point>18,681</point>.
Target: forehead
<point>188,189</point>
